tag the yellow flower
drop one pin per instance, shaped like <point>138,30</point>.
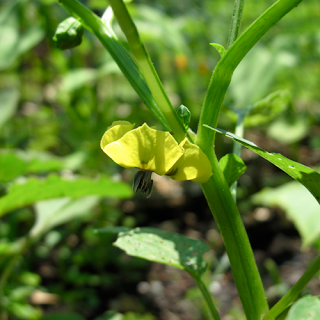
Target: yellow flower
<point>156,151</point>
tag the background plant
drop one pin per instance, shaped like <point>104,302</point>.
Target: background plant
<point>55,119</point>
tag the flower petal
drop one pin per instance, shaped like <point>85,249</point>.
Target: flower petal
<point>116,131</point>
<point>145,148</point>
<point>193,165</point>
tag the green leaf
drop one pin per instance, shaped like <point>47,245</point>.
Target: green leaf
<point>305,175</point>
<point>18,162</point>
<point>62,316</point>
<point>298,204</point>
<point>232,167</point>
<point>306,308</point>
<point>9,99</point>
<point>267,109</point>
<point>53,212</point>
<point>287,131</point>
<point>34,189</point>
<point>164,247</point>
<point>185,116</point>
<point>219,48</point>
<point>68,34</point>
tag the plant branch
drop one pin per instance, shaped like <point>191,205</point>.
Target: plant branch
<point>146,67</point>
<point>235,22</point>
<point>205,292</point>
<point>291,295</point>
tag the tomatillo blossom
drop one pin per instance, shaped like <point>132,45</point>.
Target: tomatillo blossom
<point>156,151</point>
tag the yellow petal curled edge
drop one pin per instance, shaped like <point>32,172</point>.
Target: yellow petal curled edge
<point>116,131</point>
<point>193,165</point>
<point>145,148</point>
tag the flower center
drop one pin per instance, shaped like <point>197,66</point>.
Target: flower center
<point>142,180</point>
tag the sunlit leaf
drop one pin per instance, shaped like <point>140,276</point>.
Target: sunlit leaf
<point>302,209</point>
<point>53,212</point>
<point>305,175</point>
<point>306,308</point>
<point>9,99</point>
<point>232,167</point>
<point>34,189</point>
<point>163,247</point>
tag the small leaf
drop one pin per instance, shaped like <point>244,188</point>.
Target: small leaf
<point>53,212</point>
<point>267,109</point>
<point>34,190</point>
<point>164,247</point>
<point>232,167</point>
<point>219,48</point>
<point>299,205</point>
<point>305,175</point>
<point>9,99</point>
<point>185,115</point>
<point>306,308</point>
<point>68,34</point>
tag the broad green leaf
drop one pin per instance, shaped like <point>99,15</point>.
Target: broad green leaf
<point>267,109</point>
<point>53,212</point>
<point>24,311</point>
<point>305,175</point>
<point>232,167</point>
<point>185,116</point>
<point>11,166</point>
<point>34,189</point>
<point>9,99</point>
<point>14,163</point>
<point>219,48</point>
<point>298,204</point>
<point>164,247</point>
<point>62,316</point>
<point>288,131</point>
<point>306,308</point>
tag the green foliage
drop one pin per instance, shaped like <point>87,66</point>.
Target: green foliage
<point>68,34</point>
<point>8,101</point>
<point>305,308</point>
<point>305,175</point>
<point>232,167</point>
<point>299,205</point>
<point>33,190</point>
<point>163,247</point>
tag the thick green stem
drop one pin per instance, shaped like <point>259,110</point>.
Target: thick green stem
<point>118,53</point>
<point>216,190</point>
<point>147,68</point>
<point>205,293</point>
<point>244,268</point>
<point>235,22</point>
<point>222,74</point>
<point>291,295</point>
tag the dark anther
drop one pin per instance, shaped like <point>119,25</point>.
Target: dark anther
<point>142,180</point>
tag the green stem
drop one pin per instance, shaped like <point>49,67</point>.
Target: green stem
<point>120,55</point>
<point>243,265</point>
<point>222,74</point>
<point>147,68</point>
<point>239,131</point>
<point>205,293</point>
<point>291,295</point>
<point>235,22</point>
<point>24,242</point>
<point>216,190</point>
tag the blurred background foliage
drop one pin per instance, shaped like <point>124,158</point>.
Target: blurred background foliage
<point>54,107</point>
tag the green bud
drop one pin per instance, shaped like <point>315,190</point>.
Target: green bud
<point>68,34</point>
<point>185,116</point>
